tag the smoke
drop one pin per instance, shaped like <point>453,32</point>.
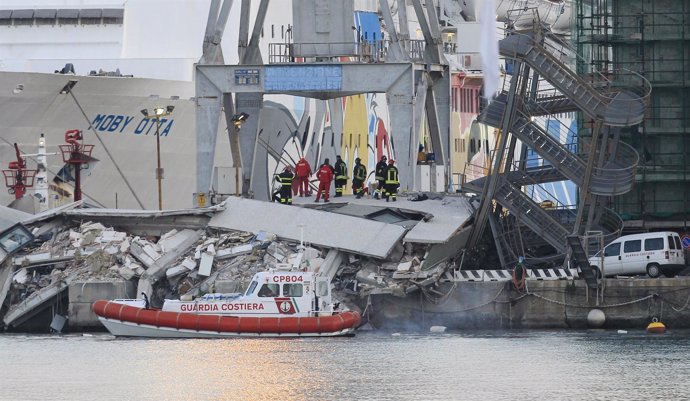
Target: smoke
<point>488,48</point>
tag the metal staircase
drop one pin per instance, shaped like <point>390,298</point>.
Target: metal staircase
<point>603,166</point>
<point>580,257</point>
<point>531,214</point>
<point>616,177</point>
<point>595,96</point>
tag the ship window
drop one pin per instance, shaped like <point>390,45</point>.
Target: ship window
<point>632,246</point>
<point>5,17</point>
<point>292,290</point>
<point>322,288</point>
<point>269,290</point>
<point>273,32</point>
<point>45,16</point>
<point>655,244</point>
<point>113,15</point>
<point>23,17</point>
<point>251,288</point>
<point>89,16</point>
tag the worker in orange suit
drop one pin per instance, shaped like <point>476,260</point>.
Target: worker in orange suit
<point>325,176</point>
<point>303,171</point>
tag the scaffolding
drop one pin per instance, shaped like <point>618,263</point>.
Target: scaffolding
<point>651,38</point>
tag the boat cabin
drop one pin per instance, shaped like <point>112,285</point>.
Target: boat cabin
<point>279,292</point>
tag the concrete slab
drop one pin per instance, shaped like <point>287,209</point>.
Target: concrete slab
<point>36,302</point>
<point>321,228</point>
<point>10,217</point>
<point>449,214</point>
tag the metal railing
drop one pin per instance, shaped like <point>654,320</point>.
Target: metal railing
<point>345,52</point>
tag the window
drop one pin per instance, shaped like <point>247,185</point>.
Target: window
<point>322,288</point>
<point>632,246</point>
<point>269,290</point>
<point>613,249</point>
<point>251,288</point>
<point>273,32</point>
<point>292,290</point>
<point>671,244</point>
<point>678,244</point>
<point>654,244</point>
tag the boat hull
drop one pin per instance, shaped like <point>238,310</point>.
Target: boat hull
<point>131,321</point>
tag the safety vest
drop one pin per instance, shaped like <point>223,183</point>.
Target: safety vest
<point>360,172</point>
<point>381,170</point>
<point>285,178</point>
<point>340,170</point>
<point>392,175</point>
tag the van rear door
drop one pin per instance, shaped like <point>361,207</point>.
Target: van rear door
<point>675,250</point>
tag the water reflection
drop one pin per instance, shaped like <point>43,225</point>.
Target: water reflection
<point>371,366</point>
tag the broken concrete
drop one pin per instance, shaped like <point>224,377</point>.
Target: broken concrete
<point>321,228</point>
<point>105,249</point>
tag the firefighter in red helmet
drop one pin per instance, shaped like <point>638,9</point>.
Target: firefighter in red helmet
<point>392,183</point>
<point>325,176</point>
<point>303,170</point>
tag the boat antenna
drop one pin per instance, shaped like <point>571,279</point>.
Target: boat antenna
<point>301,236</point>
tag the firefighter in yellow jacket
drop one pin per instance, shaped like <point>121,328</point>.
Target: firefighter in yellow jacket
<point>392,183</point>
<point>285,180</point>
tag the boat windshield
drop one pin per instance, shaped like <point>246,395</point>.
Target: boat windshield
<point>251,288</point>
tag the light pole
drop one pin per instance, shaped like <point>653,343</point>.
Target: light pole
<point>237,121</point>
<point>158,112</point>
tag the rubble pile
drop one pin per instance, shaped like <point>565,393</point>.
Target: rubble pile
<point>174,266</point>
<point>190,262</point>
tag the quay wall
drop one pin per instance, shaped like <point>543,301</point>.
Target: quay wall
<point>626,303</point>
<point>82,294</point>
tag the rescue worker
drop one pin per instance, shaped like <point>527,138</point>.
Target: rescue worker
<point>340,176</point>
<point>380,177</point>
<point>285,180</point>
<point>392,182</point>
<point>359,174</point>
<point>303,170</point>
<point>325,175</point>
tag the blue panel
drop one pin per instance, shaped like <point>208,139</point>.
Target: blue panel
<point>303,78</point>
<point>368,26</point>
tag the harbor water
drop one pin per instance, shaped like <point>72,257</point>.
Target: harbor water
<point>583,365</point>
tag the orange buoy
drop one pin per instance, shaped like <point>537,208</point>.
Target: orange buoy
<point>656,327</point>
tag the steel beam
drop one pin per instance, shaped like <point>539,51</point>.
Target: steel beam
<point>208,108</point>
<point>401,102</point>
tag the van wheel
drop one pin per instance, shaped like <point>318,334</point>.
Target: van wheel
<point>597,272</point>
<point>653,270</point>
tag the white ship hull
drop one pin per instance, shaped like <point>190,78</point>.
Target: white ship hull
<point>31,104</point>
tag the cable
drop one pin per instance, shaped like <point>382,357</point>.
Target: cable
<point>141,205</point>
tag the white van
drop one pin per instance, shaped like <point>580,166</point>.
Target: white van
<point>650,253</point>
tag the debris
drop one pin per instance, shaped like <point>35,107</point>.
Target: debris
<point>205,264</point>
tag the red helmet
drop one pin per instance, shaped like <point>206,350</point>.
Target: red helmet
<point>391,161</point>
